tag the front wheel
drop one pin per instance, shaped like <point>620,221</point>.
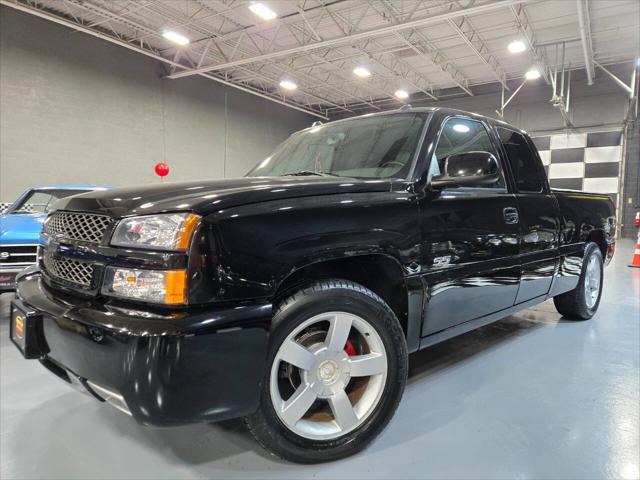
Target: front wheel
<point>582,302</point>
<point>336,370</point>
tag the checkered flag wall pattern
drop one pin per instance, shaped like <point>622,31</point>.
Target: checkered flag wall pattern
<point>28,207</point>
<point>583,161</point>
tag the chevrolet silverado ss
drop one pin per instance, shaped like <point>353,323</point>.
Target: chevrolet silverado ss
<point>292,297</point>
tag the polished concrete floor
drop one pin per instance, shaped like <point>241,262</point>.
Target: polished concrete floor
<point>532,396</point>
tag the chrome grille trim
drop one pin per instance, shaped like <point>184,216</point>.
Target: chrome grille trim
<point>64,268</point>
<point>18,254</point>
<point>86,227</point>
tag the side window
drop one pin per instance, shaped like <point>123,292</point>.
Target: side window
<point>462,135</point>
<point>524,165</point>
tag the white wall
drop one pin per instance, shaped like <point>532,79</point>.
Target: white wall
<point>75,109</point>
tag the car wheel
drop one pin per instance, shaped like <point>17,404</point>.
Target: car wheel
<point>336,369</point>
<point>582,302</point>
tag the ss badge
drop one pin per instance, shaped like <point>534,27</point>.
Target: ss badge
<point>442,261</point>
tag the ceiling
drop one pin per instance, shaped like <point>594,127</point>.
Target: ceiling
<point>432,49</point>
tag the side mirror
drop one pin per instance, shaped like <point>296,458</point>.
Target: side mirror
<point>469,169</point>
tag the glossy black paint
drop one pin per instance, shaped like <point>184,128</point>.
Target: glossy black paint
<point>539,229</point>
<point>207,197</point>
<point>470,264</point>
<point>468,169</point>
<point>583,217</point>
<point>445,260</point>
<point>163,364</point>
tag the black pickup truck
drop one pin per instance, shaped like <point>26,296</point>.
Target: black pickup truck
<point>293,296</point>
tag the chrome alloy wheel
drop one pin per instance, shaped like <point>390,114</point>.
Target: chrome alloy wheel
<point>318,390</point>
<point>592,281</point>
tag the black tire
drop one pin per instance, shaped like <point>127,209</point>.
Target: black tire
<point>322,297</point>
<point>573,304</point>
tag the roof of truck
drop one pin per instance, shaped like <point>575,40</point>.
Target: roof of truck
<point>69,187</point>
<point>409,109</point>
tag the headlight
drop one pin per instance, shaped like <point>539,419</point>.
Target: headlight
<point>171,231</point>
<point>158,286</point>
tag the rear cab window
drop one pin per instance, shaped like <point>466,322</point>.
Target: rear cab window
<point>527,171</point>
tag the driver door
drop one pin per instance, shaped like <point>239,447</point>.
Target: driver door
<point>470,237</point>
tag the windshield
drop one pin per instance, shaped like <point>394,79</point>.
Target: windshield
<point>39,201</point>
<point>380,146</point>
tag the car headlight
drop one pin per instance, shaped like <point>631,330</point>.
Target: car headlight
<point>171,231</point>
<point>158,286</point>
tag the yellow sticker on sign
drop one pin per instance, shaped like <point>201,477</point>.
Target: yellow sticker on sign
<point>19,326</point>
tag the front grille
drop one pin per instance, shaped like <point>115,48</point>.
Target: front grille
<point>18,254</point>
<point>74,271</point>
<point>85,227</point>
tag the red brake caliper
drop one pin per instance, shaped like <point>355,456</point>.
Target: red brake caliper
<point>350,349</point>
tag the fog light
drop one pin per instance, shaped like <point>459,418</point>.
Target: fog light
<point>157,286</point>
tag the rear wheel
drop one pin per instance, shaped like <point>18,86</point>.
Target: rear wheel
<point>582,302</point>
<point>337,366</point>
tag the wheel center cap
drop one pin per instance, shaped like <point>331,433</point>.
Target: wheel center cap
<point>328,371</point>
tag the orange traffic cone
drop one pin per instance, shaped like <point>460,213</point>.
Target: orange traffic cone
<point>635,260</point>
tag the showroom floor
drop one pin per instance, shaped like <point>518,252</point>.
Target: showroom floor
<point>531,396</point>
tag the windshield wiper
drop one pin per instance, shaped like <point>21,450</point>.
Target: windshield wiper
<point>307,173</point>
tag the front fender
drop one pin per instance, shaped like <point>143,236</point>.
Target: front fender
<point>262,244</point>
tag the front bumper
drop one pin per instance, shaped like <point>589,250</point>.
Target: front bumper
<point>163,369</point>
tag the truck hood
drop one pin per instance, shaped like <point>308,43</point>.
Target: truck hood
<point>20,228</point>
<point>209,196</point>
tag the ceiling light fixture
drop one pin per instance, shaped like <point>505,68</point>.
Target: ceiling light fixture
<point>288,85</point>
<point>401,94</point>
<point>532,74</point>
<point>517,46</point>
<point>261,10</point>
<point>362,72</point>
<point>175,37</point>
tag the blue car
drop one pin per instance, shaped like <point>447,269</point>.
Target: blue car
<point>20,227</point>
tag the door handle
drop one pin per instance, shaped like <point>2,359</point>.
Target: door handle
<point>511,215</point>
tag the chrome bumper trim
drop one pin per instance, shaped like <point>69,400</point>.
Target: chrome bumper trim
<point>113,398</point>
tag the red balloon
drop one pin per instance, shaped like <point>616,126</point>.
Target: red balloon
<point>162,169</point>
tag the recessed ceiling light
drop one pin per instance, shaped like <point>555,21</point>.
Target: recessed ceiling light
<point>263,11</point>
<point>288,85</point>
<point>401,94</point>
<point>362,72</point>
<point>175,37</point>
<point>532,74</point>
<point>517,46</point>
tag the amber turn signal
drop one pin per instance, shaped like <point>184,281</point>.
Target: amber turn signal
<point>186,231</point>
<point>176,287</point>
